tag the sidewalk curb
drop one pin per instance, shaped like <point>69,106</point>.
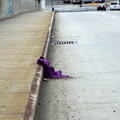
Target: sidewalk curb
<point>31,107</point>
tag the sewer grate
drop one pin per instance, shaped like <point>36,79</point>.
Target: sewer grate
<point>63,42</point>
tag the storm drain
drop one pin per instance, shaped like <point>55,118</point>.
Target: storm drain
<point>64,42</point>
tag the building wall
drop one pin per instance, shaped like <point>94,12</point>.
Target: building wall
<point>10,8</point>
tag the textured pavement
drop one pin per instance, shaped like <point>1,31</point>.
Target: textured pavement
<point>23,40</point>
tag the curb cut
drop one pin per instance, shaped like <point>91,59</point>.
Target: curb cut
<point>31,107</point>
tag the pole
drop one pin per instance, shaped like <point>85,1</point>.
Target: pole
<point>52,6</point>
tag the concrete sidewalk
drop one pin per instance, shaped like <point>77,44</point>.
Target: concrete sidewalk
<point>23,39</point>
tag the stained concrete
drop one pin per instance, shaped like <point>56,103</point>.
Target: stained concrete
<point>9,8</point>
<point>22,40</point>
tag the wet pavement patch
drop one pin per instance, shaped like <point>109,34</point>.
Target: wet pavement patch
<point>64,42</point>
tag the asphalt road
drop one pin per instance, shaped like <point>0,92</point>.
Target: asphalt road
<point>92,92</point>
<point>59,6</point>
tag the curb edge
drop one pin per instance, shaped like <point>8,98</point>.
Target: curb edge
<point>31,107</point>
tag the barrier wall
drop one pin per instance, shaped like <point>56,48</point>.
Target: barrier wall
<point>10,8</point>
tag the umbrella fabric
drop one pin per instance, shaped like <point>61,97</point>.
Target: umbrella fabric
<point>49,71</point>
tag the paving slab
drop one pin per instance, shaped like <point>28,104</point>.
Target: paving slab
<point>22,42</point>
